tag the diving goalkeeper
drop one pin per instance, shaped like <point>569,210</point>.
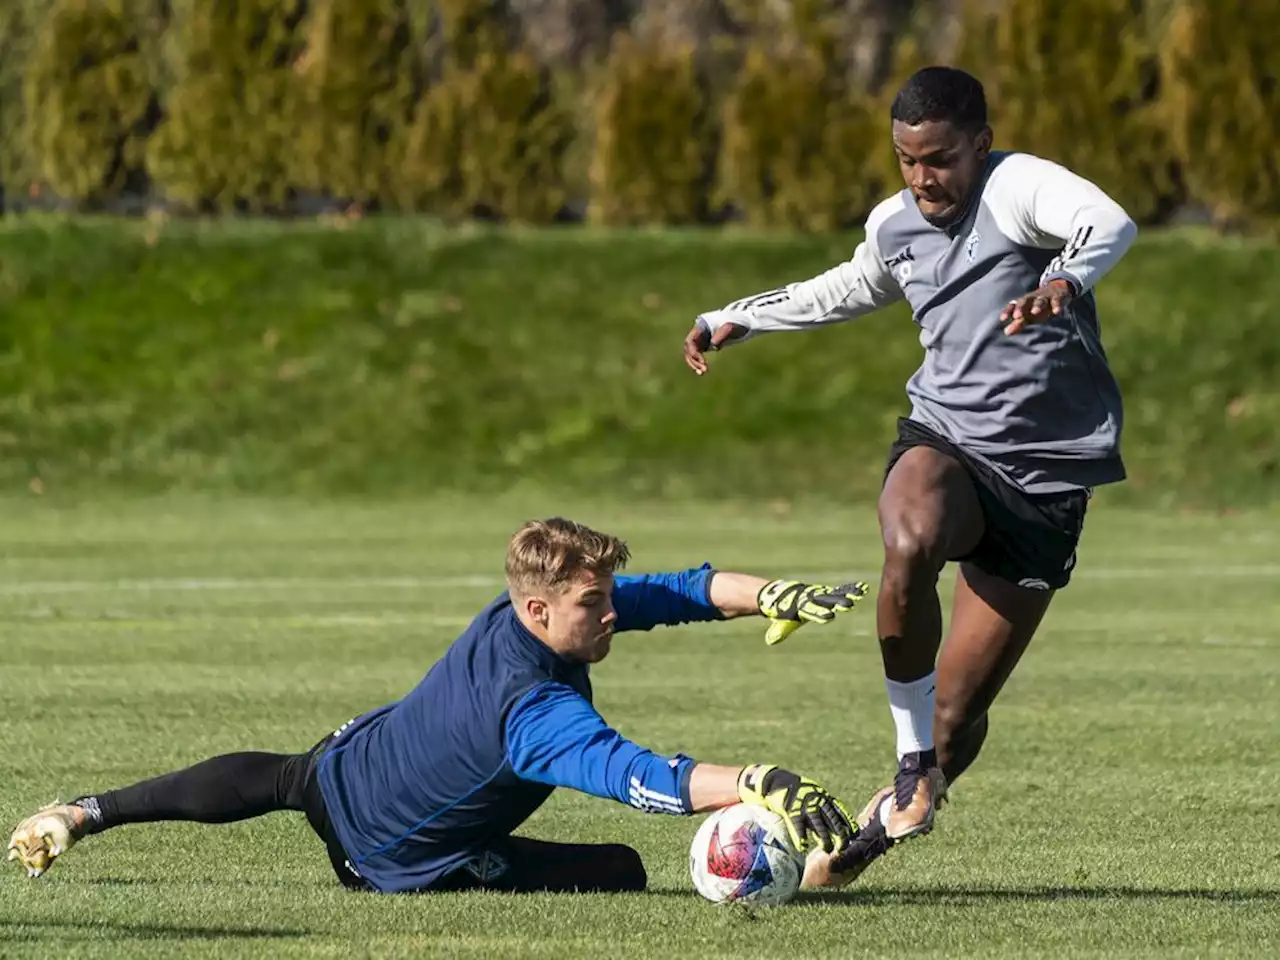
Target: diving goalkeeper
<point>424,794</point>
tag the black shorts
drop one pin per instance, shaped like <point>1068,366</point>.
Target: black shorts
<point>524,865</point>
<point>318,816</point>
<point>1029,539</point>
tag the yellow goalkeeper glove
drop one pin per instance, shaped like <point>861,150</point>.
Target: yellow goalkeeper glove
<point>812,815</point>
<point>791,604</point>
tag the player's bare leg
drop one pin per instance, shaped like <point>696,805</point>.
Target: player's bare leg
<point>929,514</point>
<point>992,623</point>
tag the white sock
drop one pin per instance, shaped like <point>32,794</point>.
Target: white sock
<point>912,707</point>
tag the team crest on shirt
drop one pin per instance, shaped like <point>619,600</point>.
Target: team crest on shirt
<point>971,246</point>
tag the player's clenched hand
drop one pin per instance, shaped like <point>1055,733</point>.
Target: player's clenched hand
<point>812,815</point>
<point>1049,300</point>
<point>700,339</point>
<point>790,604</point>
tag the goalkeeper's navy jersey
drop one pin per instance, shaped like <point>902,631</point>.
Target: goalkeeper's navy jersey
<point>418,788</point>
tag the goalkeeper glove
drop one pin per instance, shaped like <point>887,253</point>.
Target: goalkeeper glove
<point>791,604</point>
<point>810,813</point>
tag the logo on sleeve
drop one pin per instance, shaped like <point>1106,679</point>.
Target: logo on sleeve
<point>900,264</point>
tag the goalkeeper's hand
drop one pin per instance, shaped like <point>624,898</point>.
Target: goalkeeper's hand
<point>791,604</point>
<point>812,815</point>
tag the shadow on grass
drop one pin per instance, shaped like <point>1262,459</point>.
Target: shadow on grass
<point>56,928</point>
<point>889,896</point>
<point>212,882</point>
<point>987,896</point>
<point>983,896</point>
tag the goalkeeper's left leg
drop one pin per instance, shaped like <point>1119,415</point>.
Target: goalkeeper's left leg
<point>235,786</point>
<point>224,789</point>
<point>522,865</point>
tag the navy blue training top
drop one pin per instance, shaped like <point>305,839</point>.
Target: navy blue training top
<point>416,788</point>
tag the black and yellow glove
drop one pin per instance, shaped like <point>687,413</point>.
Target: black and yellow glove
<point>812,815</point>
<point>791,604</point>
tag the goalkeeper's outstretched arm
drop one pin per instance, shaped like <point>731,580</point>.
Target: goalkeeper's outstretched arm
<point>649,600</point>
<point>556,737</point>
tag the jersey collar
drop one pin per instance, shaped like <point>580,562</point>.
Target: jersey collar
<point>538,652</point>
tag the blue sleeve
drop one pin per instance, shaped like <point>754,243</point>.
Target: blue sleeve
<point>556,737</point>
<point>655,599</point>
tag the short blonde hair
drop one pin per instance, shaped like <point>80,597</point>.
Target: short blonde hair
<point>549,554</point>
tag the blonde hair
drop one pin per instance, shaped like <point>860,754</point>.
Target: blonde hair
<point>549,554</point>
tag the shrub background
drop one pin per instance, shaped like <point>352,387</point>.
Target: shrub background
<point>639,112</point>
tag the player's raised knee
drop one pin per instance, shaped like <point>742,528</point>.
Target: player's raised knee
<point>912,541</point>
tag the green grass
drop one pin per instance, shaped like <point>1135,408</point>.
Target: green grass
<point>397,358</point>
<point>1126,805</point>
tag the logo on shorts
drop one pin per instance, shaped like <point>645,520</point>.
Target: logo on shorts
<point>343,729</point>
<point>1033,583</point>
<point>487,866</point>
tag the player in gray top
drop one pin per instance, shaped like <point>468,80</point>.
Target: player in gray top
<point>1015,418</point>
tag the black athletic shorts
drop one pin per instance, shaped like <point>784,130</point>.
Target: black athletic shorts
<point>1030,539</point>
<point>318,816</point>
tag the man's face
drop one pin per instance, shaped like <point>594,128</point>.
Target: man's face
<point>579,619</point>
<point>941,164</point>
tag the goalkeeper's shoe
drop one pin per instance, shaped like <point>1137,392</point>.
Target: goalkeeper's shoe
<point>46,835</point>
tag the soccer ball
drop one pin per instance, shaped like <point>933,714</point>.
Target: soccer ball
<point>743,854</point>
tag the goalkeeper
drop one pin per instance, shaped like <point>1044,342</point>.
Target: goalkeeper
<point>424,794</point>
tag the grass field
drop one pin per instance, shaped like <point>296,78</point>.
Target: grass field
<point>394,356</point>
<point>1126,805</point>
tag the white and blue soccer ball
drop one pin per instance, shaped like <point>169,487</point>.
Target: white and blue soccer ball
<point>743,854</point>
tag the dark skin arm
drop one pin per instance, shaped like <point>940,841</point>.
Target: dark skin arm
<point>699,340</point>
<point>1049,300</point>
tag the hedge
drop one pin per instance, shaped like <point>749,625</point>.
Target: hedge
<point>446,108</point>
<point>651,162</point>
<point>1222,80</point>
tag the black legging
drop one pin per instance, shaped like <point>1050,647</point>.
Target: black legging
<point>236,786</point>
<point>522,865</point>
<point>240,786</point>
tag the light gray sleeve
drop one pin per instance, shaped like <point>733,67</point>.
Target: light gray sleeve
<point>853,288</point>
<point>1042,204</point>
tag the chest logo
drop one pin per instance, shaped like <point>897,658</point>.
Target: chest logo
<point>971,246</point>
